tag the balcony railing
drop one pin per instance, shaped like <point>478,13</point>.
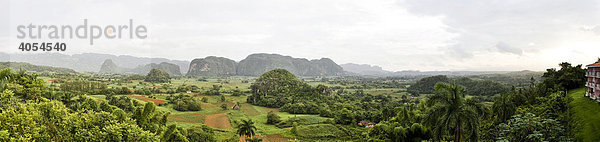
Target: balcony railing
<point>593,74</point>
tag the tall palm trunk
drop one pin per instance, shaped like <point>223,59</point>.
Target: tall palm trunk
<point>457,132</point>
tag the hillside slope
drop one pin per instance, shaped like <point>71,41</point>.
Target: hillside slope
<point>257,64</point>
<point>586,116</point>
<point>35,68</point>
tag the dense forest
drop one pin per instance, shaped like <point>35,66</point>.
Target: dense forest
<point>473,87</point>
<point>30,111</point>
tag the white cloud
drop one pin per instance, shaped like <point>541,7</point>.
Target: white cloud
<point>503,47</point>
<point>397,35</point>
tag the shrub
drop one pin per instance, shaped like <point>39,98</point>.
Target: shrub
<point>273,118</point>
<point>184,102</point>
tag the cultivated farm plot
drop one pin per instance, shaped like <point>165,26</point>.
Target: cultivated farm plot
<point>217,106</point>
<point>191,118</point>
<point>249,110</point>
<point>271,109</point>
<point>218,121</point>
<point>146,99</point>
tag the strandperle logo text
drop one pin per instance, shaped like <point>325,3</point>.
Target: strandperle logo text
<point>82,31</point>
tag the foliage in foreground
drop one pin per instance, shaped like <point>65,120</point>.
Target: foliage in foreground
<point>451,113</point>
<point>29,111</point>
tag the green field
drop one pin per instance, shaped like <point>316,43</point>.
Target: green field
<point>224,122</point>
<point>258,114</point>
<point>586,116</point>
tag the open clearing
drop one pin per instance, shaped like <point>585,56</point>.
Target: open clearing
<point>218,121</point>
<point>191,118</point>
<point>273,138</point>
<point>145,99</point>
<point>249,110</point>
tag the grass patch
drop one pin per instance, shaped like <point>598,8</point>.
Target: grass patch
<point>319,131</point>
<point>103,97</point>
<point>249,109</point>
<point>586,116</point>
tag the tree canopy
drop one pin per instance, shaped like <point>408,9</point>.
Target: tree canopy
<point>157,76</point>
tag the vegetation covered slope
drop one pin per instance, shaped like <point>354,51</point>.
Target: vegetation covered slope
<point>281,89</point>
<point>170,68</point>
<point>31,111</point>
<point>586,116</point>
<point>109,67</point>
<point>517,78</point>
<point>276,88</point>
<point>257,64</point>
<point>157,76</point>
<point>35,68</point>
<point>212,66</point>
<point>473,87</point>
<point>86,62</point>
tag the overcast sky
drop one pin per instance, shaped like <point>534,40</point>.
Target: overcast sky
<point>397,35</point>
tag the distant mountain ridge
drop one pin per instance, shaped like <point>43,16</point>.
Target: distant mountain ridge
<point>252,65</point>
<point>170,68</point>
<point>109,67</point>
<point>370,70</point>
<point>257,64</point>
<point>87,62</point>
<point>212,66</point>
<point>364,69</point>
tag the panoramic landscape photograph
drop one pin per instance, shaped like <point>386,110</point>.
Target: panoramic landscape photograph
<point>300,71</point>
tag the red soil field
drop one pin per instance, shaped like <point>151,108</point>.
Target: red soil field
<point>218,121</point>
<point>271,109</point>
<point>56,79</point>
<point>145,99</point>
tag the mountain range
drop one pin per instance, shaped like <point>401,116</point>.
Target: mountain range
<point>257,64</point>
<point>109,67</point>
<point>87,62</point>
<point>252,65</point>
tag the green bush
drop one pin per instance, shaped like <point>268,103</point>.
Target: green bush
<point>273,118</point>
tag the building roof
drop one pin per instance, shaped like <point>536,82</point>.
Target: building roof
<point>594,65</point>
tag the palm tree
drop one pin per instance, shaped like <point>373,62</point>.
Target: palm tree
<point>5,76</point>
<point>503,107</point>
<point>451,113</point>
<point>246,128</point>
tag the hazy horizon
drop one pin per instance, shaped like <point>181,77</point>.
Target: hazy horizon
<point>295,57</point>
<point>396,35</point>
